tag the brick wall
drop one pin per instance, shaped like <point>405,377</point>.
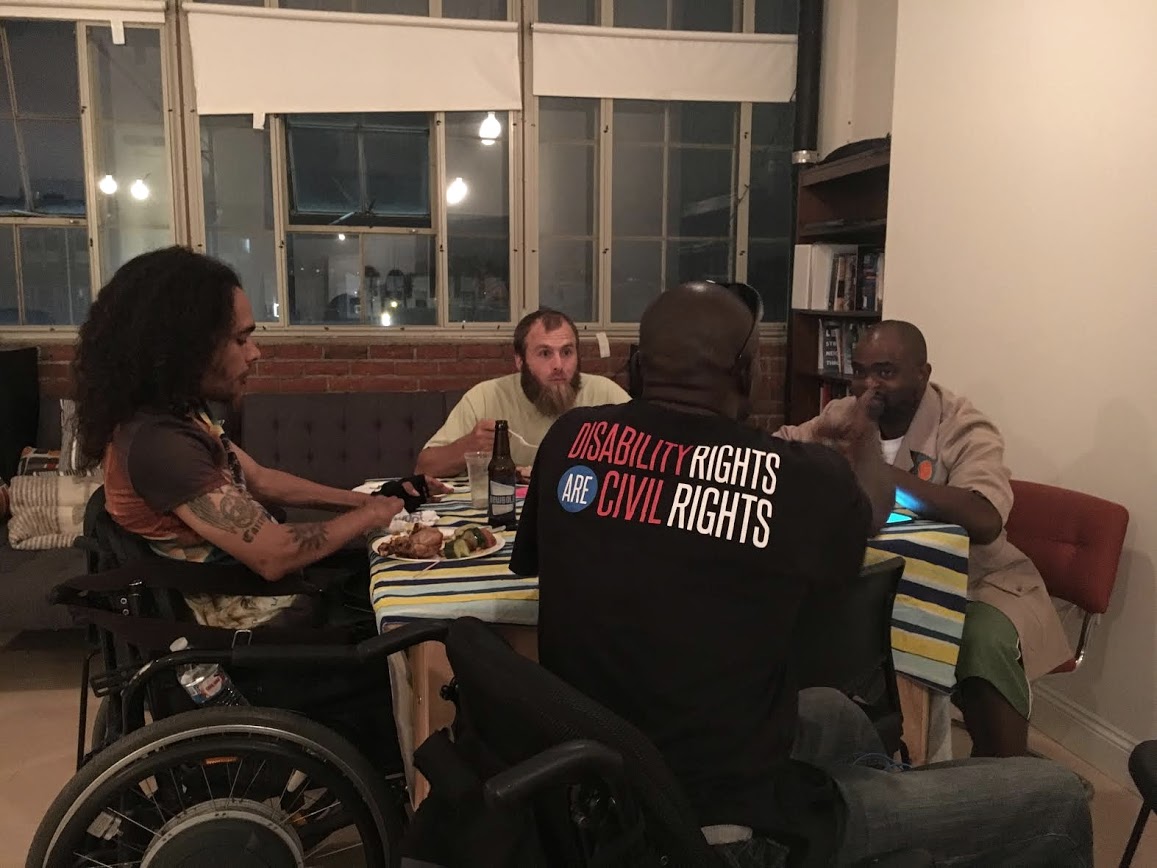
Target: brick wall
<point>397,366</point>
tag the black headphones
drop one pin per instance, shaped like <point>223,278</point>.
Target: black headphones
<point>751,299</point>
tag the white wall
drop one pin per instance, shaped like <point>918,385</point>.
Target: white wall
<point>856,71</point>
<point>1021,236</point>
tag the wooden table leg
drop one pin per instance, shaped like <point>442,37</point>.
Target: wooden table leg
<point>429,670</point>
<point>914,701</point>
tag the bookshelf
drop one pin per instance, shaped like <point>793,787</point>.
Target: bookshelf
<point>841,214</point>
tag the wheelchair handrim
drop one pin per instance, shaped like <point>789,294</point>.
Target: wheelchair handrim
<point>224,729</point>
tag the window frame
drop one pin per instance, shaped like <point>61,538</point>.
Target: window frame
<point>183,133</point>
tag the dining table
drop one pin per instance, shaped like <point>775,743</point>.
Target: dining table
<point>927,617</point>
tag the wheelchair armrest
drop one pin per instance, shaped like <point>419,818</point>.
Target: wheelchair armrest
<point>562,763</point>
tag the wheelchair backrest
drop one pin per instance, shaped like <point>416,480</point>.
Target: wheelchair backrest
<point>518,709</point>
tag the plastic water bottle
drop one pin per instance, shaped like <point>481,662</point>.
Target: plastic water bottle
<point>206,683</point>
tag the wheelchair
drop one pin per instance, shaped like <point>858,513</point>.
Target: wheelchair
<point>533,773</point>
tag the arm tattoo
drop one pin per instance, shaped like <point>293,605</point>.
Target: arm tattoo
<point>309,537</point>
<point>234,512</point>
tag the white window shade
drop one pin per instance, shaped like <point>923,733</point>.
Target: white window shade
<point>626,63</point>
<point>120,11</point>
<point>265,61</point>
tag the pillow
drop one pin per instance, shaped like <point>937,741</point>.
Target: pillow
<point>33,460</point>
<point>48,510</point>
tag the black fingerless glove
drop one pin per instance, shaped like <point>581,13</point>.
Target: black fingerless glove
<point>411,502</point>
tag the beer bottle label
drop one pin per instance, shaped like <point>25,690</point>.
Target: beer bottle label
<point>501,501</point>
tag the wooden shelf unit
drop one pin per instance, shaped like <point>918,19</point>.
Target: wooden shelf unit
<point>844,201</point>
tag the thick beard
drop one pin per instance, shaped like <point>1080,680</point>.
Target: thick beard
<point>554,399</point>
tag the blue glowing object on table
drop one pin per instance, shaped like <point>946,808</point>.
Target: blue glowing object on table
<point>899,518</point>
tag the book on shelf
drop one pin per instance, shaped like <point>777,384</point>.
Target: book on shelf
<point>838,277</point>
<point>832,392</point>
<point>838,341</point>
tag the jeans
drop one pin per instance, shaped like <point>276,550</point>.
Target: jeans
<point>1012,813</point>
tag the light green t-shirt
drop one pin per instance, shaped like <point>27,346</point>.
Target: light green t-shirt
<point>503,398</point>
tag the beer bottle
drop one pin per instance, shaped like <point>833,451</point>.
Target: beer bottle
<point>503,479</point>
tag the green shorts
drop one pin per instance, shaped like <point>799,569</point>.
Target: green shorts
<point>990,649</point>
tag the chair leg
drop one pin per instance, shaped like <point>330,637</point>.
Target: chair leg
<point>1135,838</point>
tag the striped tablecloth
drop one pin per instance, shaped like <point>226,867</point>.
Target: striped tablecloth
<point>926,622</point>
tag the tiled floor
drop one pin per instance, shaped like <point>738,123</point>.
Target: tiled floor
<point>39,673</point>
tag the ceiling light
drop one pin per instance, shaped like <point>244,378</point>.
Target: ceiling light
<point>341,236</point>
<point>490,128</point>
<point>456,192</point>
<point>108,185</point>
<point>139,190</point>
<point>488,142</point>
<point>386,321</point>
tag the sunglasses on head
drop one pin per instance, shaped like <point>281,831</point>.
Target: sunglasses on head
<point>753,301</point>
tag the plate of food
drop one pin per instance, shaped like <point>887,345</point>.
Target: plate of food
<point>424,543</point>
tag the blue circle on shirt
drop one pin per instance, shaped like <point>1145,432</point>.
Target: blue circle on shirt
<point>577,488</point>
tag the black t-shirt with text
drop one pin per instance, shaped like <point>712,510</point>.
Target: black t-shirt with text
<point>673,552</point>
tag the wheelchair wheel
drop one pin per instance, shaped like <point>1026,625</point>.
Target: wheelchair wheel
<point>223,787</point>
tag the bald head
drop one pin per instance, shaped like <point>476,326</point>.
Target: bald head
<point>891,361</point>
<point>908,338</point>
<point>690,339</point>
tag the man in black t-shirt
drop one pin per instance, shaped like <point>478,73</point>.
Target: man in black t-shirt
<point>674,547</point>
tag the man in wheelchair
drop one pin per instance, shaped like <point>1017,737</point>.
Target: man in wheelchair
<point>170,335</point>
<point>674,546</point>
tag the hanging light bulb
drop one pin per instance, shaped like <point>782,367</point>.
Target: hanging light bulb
<point>456,192</point>
<point>139,190</point>
<point>108,185</point>
<point>385,320</point>
<point>490,129</point>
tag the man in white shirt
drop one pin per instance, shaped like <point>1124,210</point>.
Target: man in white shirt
<point>548,382</point>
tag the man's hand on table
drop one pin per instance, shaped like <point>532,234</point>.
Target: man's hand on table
<point>524,472</point>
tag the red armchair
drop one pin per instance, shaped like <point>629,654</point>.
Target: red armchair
<point>1075,541</point>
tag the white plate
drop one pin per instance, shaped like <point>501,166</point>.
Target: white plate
<point>372,485</point>
<point>447,532</point>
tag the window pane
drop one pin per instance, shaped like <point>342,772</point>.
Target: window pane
<point>567,120</point>
<point>397,155</point>
<point>567,272</point>
<point>567,205</point>
<point>772,124</point>
<point>776,16</point>
<point>399,281</point>
<point>394,7</point>
<point>771,199</point>
<point>11,184</point>
<point>478,218</point>
<point>768,272</point>
<point>772,204</point>
<point>704,123</point>
<point>238,196</point>
<point>44,67</point>
<point>699,192</point>
<point>487,10</point>
<point>55,158</point>
<point>639,121</point>
<point>642,13</point>
<point>129,115</point>
<point>361,170</point>
<point>54,265</point>
<point>715,15</point>
<point>698,260</point>
<point>637,192</point>
<point>325,277</point>
<point>568,11</point>
<point>326,283</point>
<point>9,311</point>
<point>635,278</point>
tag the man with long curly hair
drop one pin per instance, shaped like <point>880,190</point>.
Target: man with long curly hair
<point>170,332</point>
